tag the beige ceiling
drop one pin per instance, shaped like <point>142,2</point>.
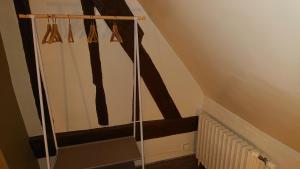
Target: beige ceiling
<point>244,54</point>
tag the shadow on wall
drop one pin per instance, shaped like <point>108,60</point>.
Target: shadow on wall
<point>14,139</point>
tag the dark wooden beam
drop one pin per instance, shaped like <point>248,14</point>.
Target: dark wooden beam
<point>149,73</point>
<point>101,107</point>
<point>152,129</point>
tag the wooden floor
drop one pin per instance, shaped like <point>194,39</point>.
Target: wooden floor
<point>127,165</point>
<point>188,162</point>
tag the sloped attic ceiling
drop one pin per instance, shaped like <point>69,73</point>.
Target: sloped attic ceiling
<point>244,54</point>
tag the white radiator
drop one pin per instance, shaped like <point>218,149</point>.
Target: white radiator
<point>220,148</point>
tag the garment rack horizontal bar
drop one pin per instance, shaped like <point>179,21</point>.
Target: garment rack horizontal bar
<point>62,16</point>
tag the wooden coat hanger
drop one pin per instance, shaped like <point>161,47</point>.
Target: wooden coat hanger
<point>55,35</point>
<point>93,36</point>
<point>115,36</point>
<point>70,33</point>
<point>48,32</point>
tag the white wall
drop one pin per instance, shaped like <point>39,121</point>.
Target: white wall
<point>244,54</point>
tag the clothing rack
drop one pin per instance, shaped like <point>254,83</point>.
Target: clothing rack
<point>101,153</point>
<point>62,16</point>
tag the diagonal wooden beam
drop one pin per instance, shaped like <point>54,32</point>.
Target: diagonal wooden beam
<point>149,73</point>
<point>102,114</point>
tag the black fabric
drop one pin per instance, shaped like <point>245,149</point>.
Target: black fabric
<point>152,129</point>
<point>102,114</point>
<point>149,73</point>
<point>22,7</point>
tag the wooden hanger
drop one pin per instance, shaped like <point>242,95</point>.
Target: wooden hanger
<point>55,35</point>
<point>115,36</point>
<point>70,33</point>
<point>93,36</point>
<point>48,32</point>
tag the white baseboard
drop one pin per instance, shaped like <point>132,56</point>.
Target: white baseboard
<point>282,155</point>
<point>169,147</point>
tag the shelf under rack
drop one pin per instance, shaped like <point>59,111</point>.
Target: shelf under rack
<point>97,154</point>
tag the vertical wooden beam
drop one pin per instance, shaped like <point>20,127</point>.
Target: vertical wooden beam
<point>88,9</point>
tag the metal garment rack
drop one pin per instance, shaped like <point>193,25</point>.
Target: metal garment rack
<point>95,154</point>
<point>63,16</point>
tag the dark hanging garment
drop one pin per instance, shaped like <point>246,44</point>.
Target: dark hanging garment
<point>22,7</point>
<point>102,114</point>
